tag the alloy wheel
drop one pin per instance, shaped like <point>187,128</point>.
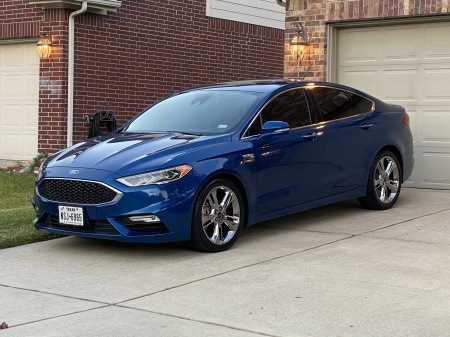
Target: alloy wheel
<point>386,179</point>
<point>221,215</point>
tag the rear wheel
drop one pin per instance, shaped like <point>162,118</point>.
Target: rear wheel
<point>218,217</point>
<point>383,187</point>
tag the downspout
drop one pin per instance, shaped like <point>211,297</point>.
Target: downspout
<point>71,71</point>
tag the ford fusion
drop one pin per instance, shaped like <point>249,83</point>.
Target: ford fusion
<point>204,162</point>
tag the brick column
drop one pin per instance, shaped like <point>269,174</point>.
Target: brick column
<point>52,132</point>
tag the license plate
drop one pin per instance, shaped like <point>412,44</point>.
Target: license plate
<point>69,215</point>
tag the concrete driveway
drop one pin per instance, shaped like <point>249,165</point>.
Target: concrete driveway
<point>334,271</point>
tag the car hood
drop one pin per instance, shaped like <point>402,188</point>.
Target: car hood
<point>124,153</point>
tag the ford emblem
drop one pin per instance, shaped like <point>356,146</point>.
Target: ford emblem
<point>74,172</point>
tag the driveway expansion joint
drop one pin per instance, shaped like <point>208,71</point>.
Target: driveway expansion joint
<point>56,294</point>
<point>404,221</point>
<point>57,316</point>
<point>198,321</point>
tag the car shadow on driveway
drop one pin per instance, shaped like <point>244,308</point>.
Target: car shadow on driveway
<point>302,221</point>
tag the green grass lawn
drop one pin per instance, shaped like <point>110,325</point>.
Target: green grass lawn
<point>16,212</point>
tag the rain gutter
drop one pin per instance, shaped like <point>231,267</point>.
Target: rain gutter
<point>71,71</point>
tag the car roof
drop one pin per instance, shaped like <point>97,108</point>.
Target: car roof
<point>265,85</point>
<point>271,86</point>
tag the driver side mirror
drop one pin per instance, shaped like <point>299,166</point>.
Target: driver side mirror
<point>272,128</point>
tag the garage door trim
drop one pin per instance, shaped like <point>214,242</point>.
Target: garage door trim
<point>19,41</point>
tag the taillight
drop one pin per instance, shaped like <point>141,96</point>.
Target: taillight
<point>405,119</point>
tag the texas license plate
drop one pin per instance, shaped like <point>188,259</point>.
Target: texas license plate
<point>69,215</point>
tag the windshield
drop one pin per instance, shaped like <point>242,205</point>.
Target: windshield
<point>198,112</point>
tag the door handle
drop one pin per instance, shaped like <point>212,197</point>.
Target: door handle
<point>247,158</point>
<point>366,126</point>
<point>312,136</point>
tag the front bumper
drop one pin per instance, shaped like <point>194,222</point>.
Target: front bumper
<point>172,203</point>
<point>110,229</point>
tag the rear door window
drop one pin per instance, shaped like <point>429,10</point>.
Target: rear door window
<point>334,104</point>
<point>362,104</point>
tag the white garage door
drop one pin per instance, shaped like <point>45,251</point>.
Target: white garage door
<point>19,99</point>
<point>407,65</point>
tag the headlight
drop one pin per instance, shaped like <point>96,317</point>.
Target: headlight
<point>156,177</point>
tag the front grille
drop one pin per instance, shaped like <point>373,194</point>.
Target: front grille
<point>93,226</point>
<point>76,191</point>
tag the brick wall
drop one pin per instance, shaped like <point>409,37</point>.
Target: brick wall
<point>314,14</point>
<point>125,61</point>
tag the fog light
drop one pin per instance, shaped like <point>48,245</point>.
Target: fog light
<point>144,218</point>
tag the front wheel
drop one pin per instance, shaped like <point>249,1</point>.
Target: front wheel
<point>383,187</point>
<point>218,217</point>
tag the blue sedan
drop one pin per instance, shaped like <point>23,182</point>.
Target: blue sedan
<point>202,163</point>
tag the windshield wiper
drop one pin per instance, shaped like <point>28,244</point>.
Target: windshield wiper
<point>186,133</point>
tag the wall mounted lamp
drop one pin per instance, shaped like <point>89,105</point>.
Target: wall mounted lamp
<point>44,45</point>
<point>299,42</point>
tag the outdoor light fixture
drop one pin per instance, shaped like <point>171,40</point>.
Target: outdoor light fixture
<point>44,45</point>
<point>299,42</point>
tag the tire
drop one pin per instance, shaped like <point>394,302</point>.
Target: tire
<point>384,185</point>
<point>218,217</point>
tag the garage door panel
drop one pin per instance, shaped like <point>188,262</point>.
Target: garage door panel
<point>360,47</point>
<point>436,85</point>
<point>433,173</point>
<point>12,145</point>
<point>13,56</point>
<point>13,86</point>
<point>435,46</point>
<point>362,78</point>
<point>12,116</point>
<point>15,146</point>
<point>400,45</point>
<point>436,125</point>
<point>398,86</point>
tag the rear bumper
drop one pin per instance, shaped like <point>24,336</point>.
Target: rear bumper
<point>408,162</point>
